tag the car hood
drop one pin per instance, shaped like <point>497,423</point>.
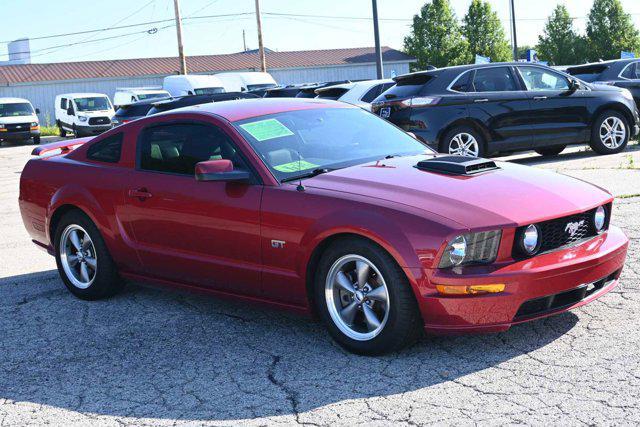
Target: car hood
<point>512,195</point>
<point>18,119</point>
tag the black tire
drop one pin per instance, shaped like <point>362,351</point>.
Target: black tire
<point>448,139</point>
<point>36,140</point>
<point>550,151</point>
<point>106,281</point>
<point>76,132</point>
<point>597,144</point>
<point>403,325</point>
<point>63,132</point>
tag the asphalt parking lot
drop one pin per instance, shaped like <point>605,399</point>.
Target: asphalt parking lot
<point>158,357</point>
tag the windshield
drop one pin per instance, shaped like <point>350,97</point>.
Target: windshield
<point>14,110</point>
<point>144,96</point>
<point>261,86</point>
<point>296,143</point>
<point>95,103</point>
<point>208,90</point>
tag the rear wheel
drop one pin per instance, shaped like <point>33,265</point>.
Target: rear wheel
<point>83,261</point>
<point>550,151</point>
<point>365,299</point>
<point>463,141</point>
<point>36,139</point>
<point>610,133</point>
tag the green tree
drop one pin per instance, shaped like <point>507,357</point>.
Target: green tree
<point>435,37</point>
<point>559,43</point>
<point>610,31</point>
<point>484,33</point>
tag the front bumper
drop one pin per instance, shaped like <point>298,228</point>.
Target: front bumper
<point>93,130</point>
<point>549,279</point>
<point>19,136</point>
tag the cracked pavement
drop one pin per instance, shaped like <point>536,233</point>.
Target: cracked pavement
<point>159,357</point>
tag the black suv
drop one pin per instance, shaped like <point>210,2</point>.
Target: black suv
<point>623,73</point>
<point>484,109</point>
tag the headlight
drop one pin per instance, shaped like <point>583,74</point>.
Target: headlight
<point>82,118</point>
<point>34,124</point>
<point>528,240</point>
<point>1,126</point>
<point>471,248</point>
<point>599,218</point>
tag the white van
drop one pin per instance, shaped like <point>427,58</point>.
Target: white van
<point>18,120</point>
<point>246,81</point>
<point>129,95</point>
<point>83,113</point>
<point>192,84</point>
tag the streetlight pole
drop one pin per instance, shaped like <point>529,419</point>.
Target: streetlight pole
<point>513,30</point>
<point>183,62</point>
<point>376,36</point>
<point>263,59</point>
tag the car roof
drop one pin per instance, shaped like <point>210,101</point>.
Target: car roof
<point>13,100</point>
<point>461,68</point>
<point>81,95</point>
<point>246,108</point>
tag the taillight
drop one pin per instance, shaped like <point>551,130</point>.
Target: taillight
<point>420,101</point>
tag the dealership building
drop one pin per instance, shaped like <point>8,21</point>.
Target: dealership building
<point>40,83</point>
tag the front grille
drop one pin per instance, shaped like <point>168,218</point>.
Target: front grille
<point>18,127</point>
<point>563,232</point>
<point>99,121</point>
<point>550,303</point>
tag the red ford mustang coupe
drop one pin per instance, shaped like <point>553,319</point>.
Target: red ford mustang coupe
<point>323,208</point>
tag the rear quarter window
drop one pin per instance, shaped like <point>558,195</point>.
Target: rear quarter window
<point>107,150</point>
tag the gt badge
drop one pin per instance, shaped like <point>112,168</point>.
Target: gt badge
<point>278,244</point>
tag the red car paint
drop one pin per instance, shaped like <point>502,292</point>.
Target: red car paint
<point>217,237</point>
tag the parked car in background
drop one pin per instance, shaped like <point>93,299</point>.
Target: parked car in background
<point>289,91</point>
<point>247,81</point>
<point>126,96</point>
<point>309,90</point>
<point>624,73</point>
<point>321,208</point>
<point>83,113</point>
<point>18,120</point>
<point>186,101</point>
<point>131,112</point>
<point>192,84</point>
<point>484,109</point>
<point>360,93</point>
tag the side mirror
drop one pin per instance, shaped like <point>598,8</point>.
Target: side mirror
<point>37,111</point>
<point>574,85</point>
<point>220,170</point>
<point>70,111</point>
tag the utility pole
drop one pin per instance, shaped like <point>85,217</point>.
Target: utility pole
<point>376,36</point>
<point>183,62</point>
<point>244,41</point>
<point>263,60</point>
<point>513,30</point>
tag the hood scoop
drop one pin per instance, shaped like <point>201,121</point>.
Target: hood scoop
<point>457,165</point>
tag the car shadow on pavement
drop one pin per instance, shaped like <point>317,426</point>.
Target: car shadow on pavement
<point>160,354</point>
<point>583,153</point>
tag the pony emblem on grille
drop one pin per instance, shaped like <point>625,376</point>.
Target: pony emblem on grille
<point>573,227</point>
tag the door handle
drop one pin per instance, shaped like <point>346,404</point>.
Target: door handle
<point>539,98</point>
<point>481,100</point>
<point>140,193</point>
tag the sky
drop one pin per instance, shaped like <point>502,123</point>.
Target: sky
<point>224,34</point>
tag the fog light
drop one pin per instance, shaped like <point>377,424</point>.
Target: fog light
<point>531,239</point>
<point>470,289</point>
<point>599,218</point>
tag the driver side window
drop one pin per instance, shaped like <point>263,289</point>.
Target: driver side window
<point>538,79</point>
<point>177,148</point>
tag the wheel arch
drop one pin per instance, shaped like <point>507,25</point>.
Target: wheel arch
<point>465,121</point>
<point>617,107</point>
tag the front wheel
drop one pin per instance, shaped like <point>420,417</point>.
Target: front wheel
<point>36,140</point>
<point>463,141</point>
<point>610,133</point>
<point>365,299</point>
<point>83,261</point>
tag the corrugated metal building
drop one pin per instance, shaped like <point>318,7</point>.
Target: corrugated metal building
<point>40,83</point>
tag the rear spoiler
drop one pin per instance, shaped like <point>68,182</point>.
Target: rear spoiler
<point>64,146</point>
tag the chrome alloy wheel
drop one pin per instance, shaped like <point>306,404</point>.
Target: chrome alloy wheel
<point>612,132</point>
<point>464,144</point>
<point>78,256</point>
<point>357,297</point>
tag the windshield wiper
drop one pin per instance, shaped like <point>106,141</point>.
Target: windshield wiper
<point>311,174</point>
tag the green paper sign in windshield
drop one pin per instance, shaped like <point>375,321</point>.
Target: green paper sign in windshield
<point>295,166</point>
<point>264,130</point>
